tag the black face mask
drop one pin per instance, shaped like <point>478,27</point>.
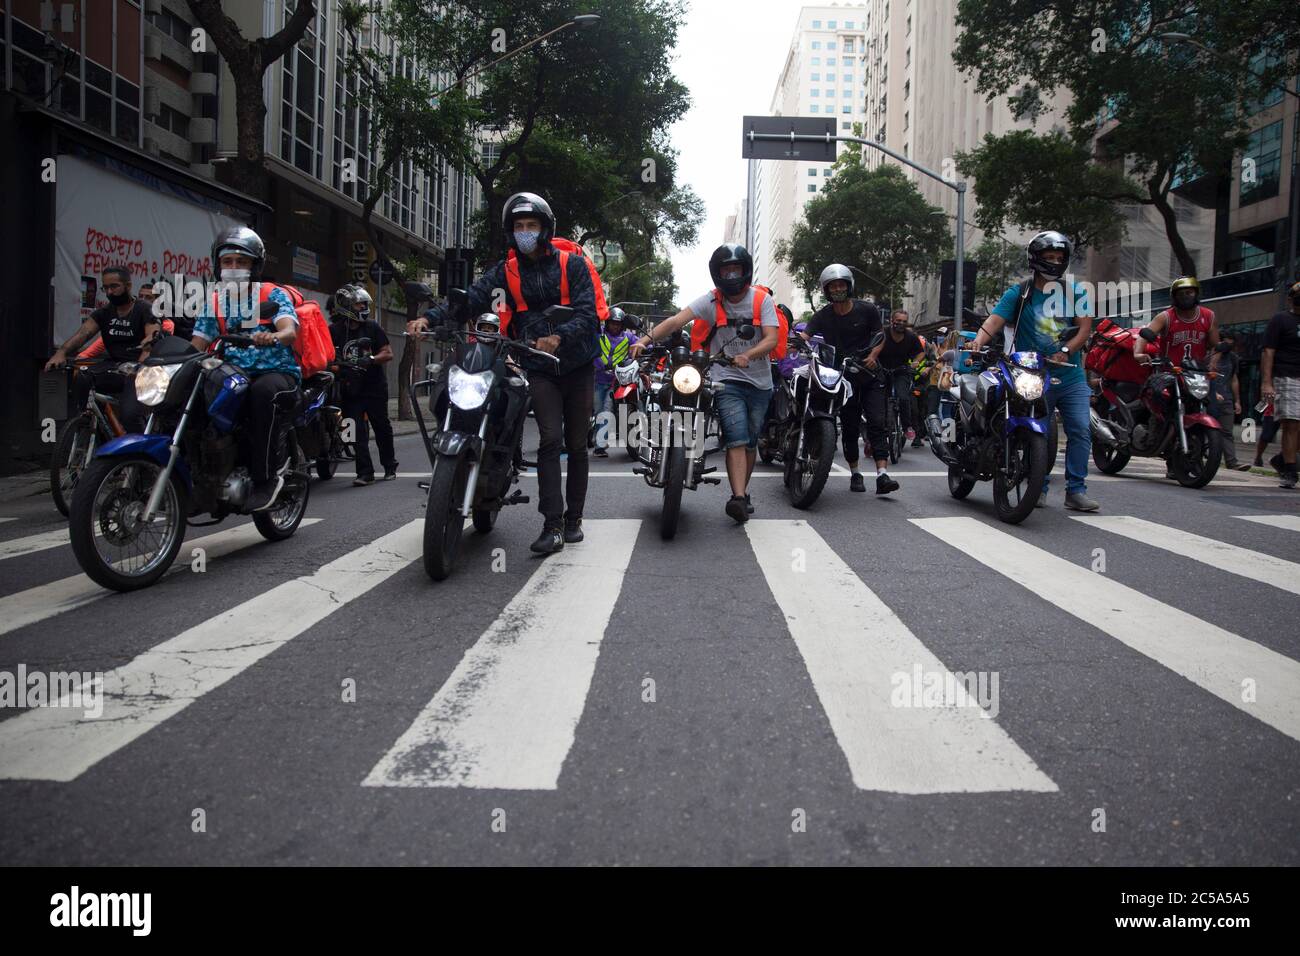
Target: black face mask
<point>120,298</point>
<point>838,296</point>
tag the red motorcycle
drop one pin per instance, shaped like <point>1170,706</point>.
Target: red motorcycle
<point>1155,411</point>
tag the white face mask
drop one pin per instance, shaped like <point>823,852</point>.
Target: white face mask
<point>236,275</point>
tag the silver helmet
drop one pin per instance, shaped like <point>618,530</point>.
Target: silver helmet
<point>833,273</point>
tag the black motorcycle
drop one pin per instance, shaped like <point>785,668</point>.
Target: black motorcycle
<point>131,506</point>
<point>680,418</point>
<point>479,403</point>
<point>805,421</point>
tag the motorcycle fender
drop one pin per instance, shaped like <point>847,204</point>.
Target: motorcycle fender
<point>1038,425</point>
<point>1201,418</point>
<point>156,447</point>
<point>623,391</point>
<point>454,444</point>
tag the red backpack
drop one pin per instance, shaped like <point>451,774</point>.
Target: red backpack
<point>1110,354</point>
<point>702,334</point>
<point>564,248</point>
<point>313,346</point>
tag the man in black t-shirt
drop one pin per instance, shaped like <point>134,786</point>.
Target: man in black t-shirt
<point>363,388</point>
<point>1280,382</point>
<point>849,325</point>
<point>126,326</point>
<point>894,354</point>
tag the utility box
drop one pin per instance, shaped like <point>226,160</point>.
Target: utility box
<point>54,395</point>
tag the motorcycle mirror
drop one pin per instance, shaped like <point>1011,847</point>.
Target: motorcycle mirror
<point>458,302</point>
<point>1147,335</point>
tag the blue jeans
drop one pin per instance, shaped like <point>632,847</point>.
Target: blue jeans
<point>603,402</point>
<point>1073,399</point>
<point>741,408</point>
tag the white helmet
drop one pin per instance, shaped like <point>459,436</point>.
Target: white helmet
<point>834,273</point>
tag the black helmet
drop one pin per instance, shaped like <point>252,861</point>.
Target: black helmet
<point>1044,242</point>
<point>527,204</point>
<point>239,239</point>
<point>727,254</point>
<point>352,302</point>
<point>617,315</point>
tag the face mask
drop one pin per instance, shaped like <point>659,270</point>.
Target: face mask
<point>526,241</point>
<point>236,275</point>
<point>120,298</point>
<point>839,296</point>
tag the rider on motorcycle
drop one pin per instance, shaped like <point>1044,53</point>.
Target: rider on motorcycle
<point>1039,313</point>
<point>238,256</point>
<point>1185,331</point>
<point>612,351</point>
<point>849,325</point>
<point>895,354</point>
<point>562,396</point>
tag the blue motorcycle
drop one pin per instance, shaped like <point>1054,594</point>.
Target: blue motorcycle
<point>133,503</point>
<point>1000,430</point>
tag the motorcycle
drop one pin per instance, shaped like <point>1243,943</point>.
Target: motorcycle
<point>1000,429</point>
<point>1164,417</point>
<point>804,425</point>
<point>328,449</point>
<point>680,417</point>
<point>131,507</point>
<point>479,401</point>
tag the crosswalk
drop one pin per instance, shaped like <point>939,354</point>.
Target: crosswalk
<point>507,716</point>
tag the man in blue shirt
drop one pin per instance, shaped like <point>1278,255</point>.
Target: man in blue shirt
<point>1039,313</point>
<point>271,365</point>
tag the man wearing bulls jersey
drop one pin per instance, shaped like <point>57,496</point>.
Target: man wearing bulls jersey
<point>1184,331</point>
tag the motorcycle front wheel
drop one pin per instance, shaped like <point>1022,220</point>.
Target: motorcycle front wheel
<point>1016,492</point>
<point>443,522</point>
<point>109,537</point>
<point>809,475</point>
<point>1204,452</point>
<point>675,481</point>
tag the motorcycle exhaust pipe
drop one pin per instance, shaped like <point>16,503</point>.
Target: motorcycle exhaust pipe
<point>934,428</point>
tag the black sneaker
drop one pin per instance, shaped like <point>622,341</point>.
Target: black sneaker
<point>572,530</point>
<point>856,482</point>
<point>362,480</point>
<point>390,474</point>
<point>600,453</point>
<point>736,509</point>
<point>1289,479</point>
<point>749,506</point>
<point>548,542</point>
<point>264,494</point>
<point>885,484</point>
<point>916,442</point>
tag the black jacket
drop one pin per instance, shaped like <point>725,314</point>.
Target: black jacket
<point>540,283</point>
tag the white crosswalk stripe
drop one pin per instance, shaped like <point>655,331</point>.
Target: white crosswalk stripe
<point>1218,554</point>
<point>1286,522</point>
<point>45,601</point>
<point>855,649</point>
<point>55,743</point>
<point>507,715</point>
<point>1214,659</point>
<point>20,547</point>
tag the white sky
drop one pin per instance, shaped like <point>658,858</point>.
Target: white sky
<point>729,55</point>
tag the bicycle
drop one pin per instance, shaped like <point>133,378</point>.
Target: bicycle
<point>82,434</point>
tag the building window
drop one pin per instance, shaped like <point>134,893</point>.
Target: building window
<point>816,77</point>
<point>1264,155</point>
<point>817,25</point>
<point>1133,261</point>
<point>848,24</point>
<point>830,45</point>
<point>830,61</point>
<point>846,108</point>
<point>830,24</point>
<point>814,92</point>
<point>812,187</point>
<point>814,108</point>
<point>816,44</point>
<point>1272,96</point>
<point>302,103</point>
<point>848,78</point>
<point>845,124</point>
<point>848,45</point>
<point>816,61</point>
<point>830,93</point>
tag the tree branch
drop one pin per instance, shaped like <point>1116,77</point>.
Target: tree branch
<point>276,46</point>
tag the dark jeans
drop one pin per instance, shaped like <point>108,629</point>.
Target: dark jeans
<point>106,379</point>
<point>931,398</point>
<point>270,406</point>
<point>373,408</point>
<point>869,396</point>
<point>562,405</point>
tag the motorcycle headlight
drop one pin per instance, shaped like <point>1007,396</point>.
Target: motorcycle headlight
<point>468,391</point>
<point>686,379</point>
<point>1197,384</point>
<point>829,377</point>
<point>151,383</point>
<point>1028,385</point>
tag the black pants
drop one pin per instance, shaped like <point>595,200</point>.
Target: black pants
<point>868,396</point>
<point>562,405</point>
<point>105,378</point>
<point>931,398</point>
<point>270,405</point>
<point>901,382</point>
<point>359,408</point>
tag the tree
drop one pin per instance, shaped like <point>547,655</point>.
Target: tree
<point>873,220</point>
<point>998,262</point>
<point>248,60</point>
<point>1144,112</point>
<point>642,280</point>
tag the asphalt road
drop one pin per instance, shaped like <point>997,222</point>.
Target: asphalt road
<point>729,697</point>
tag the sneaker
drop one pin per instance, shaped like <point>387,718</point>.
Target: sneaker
<point>1289,479</point>
<point>264,494</point>
<point>736,509</point>
<point>749,506</point>
<point>362,480</point>
<point>885,484</point>
<point>1239,466</point>
<point>1041,502</point>
<point>390,474</point>
<point>856,483</point>
<point>916,442</point>
<point>1259,462</point>
<point>548,542</point>
<point>572,530</point>
<point>911,434</point>
<point>1078,501</point>
<point>600,453</point>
